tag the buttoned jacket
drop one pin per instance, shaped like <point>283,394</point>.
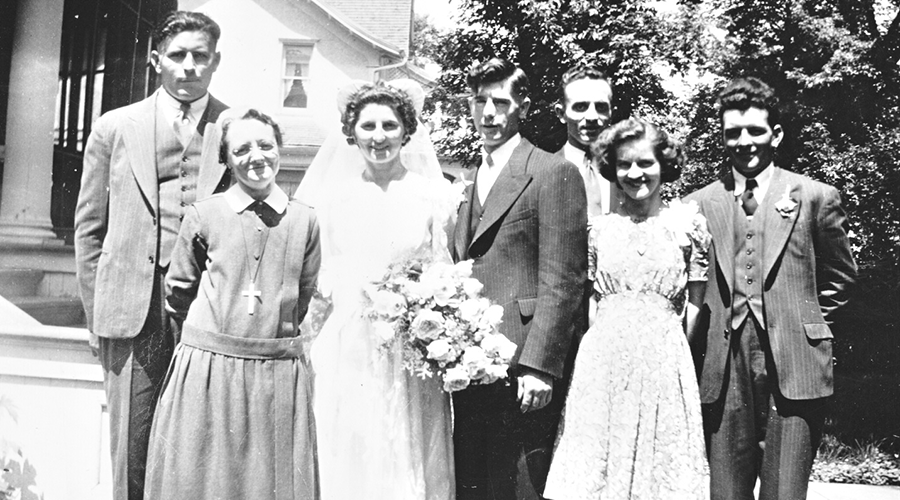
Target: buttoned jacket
<point>530,252</point>
<point>117,215</point>
<point>807,268</point>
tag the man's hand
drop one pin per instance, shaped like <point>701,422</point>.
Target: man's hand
<point>535,390</point>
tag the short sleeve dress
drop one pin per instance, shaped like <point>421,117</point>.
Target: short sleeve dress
<point>632,425</point>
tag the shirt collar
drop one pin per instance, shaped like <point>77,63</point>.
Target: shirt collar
<point>172,106</point>
<point>763,179</point>
<point>574,154</point>
<point>239,200</point>
<point>502,154</point>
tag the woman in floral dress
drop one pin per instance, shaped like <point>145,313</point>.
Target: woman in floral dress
<point>632,426</point>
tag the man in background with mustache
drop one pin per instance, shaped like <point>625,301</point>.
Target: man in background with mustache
<point>585,108</point>
<point>143,164</point>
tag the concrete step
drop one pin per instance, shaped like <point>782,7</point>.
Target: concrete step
<point>20,282</point>
<point>54,311</point>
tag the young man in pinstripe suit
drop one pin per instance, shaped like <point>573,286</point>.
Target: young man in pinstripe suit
<point>523,224</point>
<point>780,265</point>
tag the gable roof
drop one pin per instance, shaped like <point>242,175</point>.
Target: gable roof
<point>386,20</point>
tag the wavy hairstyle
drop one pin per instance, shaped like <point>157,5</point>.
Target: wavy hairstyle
<point>498,70</point>
<point>750,92</point>
<point>379,93</point>
<point>251,114</point>
<point>668,153</point>
<point>181,21</point>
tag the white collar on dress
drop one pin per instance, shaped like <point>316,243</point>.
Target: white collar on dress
<point>239,200</point>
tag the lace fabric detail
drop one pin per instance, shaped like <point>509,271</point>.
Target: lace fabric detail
<point>632,427</point>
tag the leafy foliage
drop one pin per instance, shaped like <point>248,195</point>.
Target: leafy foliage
<point>833,63</point>
<point>545,38</point>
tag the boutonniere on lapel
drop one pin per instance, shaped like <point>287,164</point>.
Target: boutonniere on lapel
<point>786,205</point>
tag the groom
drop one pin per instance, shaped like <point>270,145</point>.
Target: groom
<point>780,266</point>
<point>523,223</point>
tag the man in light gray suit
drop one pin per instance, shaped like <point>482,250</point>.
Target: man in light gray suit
<point>143,164</point>
<point>780,265</point>
<point>523,222</point>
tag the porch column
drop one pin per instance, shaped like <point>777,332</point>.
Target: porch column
<point>33,81</point>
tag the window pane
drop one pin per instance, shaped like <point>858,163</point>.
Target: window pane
<point>296,60</point>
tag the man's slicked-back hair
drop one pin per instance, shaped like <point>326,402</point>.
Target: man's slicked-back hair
<point>750,92</point>
<point>581,72</point>
<point>181,21</point>
<point>498,70</point>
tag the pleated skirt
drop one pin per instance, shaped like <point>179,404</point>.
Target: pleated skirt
<point>235,420</point>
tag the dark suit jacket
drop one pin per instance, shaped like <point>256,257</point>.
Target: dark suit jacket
<point>116,226</point>
<point>530,251</point>
<point>807,269</point>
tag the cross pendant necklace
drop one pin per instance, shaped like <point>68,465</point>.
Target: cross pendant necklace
<point>252,293</point>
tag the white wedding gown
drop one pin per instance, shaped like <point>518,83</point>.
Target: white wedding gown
<point>382,433</point>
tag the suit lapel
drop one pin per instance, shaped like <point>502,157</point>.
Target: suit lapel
<point>720,218</point>
<point>140,140</point>
<point>777,228</point>
<point>506,190</point>
<point>211,170</point>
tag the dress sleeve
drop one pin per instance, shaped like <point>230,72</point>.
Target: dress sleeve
<point>698,266</point>
<point>187,265</point>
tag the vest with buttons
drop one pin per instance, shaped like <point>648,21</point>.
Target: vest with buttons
<point>177,169</point>
<point>748,280</point>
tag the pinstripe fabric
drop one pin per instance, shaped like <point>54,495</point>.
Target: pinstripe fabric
<point>530,251</point>
<point>117,215</point>
<point>764,388</point>
<point>807,268</point>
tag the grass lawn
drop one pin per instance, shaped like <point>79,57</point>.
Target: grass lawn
<point>862,441</point>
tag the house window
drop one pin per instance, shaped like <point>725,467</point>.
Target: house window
<point>295,82</point>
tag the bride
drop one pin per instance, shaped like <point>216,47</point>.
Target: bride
<point>382,432</point>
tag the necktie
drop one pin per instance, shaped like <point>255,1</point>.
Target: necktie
<point>593,187</point>
<point>489,160</point>
<point>748,200</point>
<point>183,124</point>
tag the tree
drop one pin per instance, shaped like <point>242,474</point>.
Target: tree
<point>545,38</point>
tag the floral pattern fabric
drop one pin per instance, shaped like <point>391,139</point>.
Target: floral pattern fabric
<point>632,426</point>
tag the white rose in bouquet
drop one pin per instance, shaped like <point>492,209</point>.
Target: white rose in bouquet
<point>383,330</point>
<point>418,290</point>
<point>470,309</point>
<point>440,350</point>
<point>494,373</point>
<point>497,345</point>
<point>388,304</point>
<point>463,269</point>
<point>472,287</point>
<point>456,379</point>
<point>428,325</point>
<point>492,317</point>
<point>475,361</point>
<point>444,292</point>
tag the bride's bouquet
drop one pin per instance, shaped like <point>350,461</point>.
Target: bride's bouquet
<point>444,326</point>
